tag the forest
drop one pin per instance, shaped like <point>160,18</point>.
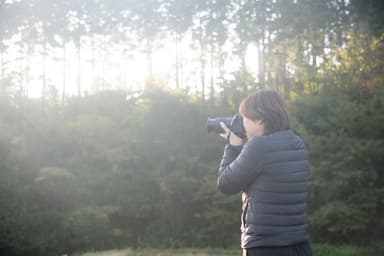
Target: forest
<point>103,110</point>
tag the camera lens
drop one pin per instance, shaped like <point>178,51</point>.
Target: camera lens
<point>213,124</point>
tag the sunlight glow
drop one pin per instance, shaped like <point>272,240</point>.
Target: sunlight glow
<point>252,59</point>
<point>112,66</point>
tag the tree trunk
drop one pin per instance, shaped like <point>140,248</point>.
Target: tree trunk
<point>202,57</point>
<point>181,66</point>
<point>64,74</point>
<point>93,46</point>
<point>149,50</point>
<point>261,49</point>
<point>27,69</point>
<point>221,66</point>
<point>202,67</point>
<point>212,53</point>
<point>102,75</point>
<point>283,73</point>
<point>21,67</point>
<point>78,46</point>
<point>243,48</point>
<point>212,59</point>
<point>2,63</point>
<point>177,69</point>
<point>300,57</point>
<point>44,77</point>
<point>124,70</point>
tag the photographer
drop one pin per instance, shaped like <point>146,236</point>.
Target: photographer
<point>270,167</point>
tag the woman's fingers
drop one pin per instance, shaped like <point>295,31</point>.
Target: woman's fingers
<point>226,130</point>
<point>233,139</point>
<point>224,126</point>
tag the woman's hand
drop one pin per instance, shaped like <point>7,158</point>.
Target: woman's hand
<point>233,139</point>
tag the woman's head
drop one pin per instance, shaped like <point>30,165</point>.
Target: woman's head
<point>267,108</point>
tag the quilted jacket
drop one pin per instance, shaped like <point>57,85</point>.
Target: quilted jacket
<point>272,173</point>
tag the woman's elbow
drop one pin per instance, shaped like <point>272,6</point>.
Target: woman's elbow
<point>226,188</point>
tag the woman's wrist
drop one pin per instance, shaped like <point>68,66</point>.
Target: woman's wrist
<point>234,140</point>
<point>233,148</point>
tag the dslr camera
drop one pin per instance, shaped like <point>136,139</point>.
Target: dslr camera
<point>235,124</point>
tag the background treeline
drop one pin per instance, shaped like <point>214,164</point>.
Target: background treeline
<point>108,171</point>
<point>300,44</point>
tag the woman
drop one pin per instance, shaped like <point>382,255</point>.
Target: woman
<point>271,169</point>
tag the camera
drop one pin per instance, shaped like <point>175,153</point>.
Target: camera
<point>235,124</point>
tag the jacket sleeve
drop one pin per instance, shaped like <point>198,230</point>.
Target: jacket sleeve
<point>239,167</point>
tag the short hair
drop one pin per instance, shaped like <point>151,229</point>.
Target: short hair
<point>268,106</point>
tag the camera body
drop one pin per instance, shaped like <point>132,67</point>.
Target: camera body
<point>235,124</point>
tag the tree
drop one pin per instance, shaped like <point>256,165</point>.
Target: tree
<point>346,181</point>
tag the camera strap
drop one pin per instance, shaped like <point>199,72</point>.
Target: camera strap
<point>229,136</point>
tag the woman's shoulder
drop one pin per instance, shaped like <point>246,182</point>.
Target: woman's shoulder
<point>276,140</point>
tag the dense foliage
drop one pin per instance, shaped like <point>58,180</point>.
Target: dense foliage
<point>104,172</point>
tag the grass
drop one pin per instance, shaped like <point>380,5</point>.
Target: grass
<point>318,250</point>
<point>339,250</point>
<point>166,252</point>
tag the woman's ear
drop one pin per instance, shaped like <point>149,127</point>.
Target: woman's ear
<point>259,127</point>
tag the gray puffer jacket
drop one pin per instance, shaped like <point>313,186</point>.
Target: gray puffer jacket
<point>272,173</point>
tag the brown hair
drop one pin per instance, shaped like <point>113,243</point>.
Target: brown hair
<point>266,105</point>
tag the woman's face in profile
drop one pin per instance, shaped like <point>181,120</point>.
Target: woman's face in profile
<point>253,127</point>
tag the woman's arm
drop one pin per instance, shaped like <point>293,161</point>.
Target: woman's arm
<point>239,167</point>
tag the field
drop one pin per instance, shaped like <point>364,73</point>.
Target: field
<point>171,252</point>
<point>318,250</point>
